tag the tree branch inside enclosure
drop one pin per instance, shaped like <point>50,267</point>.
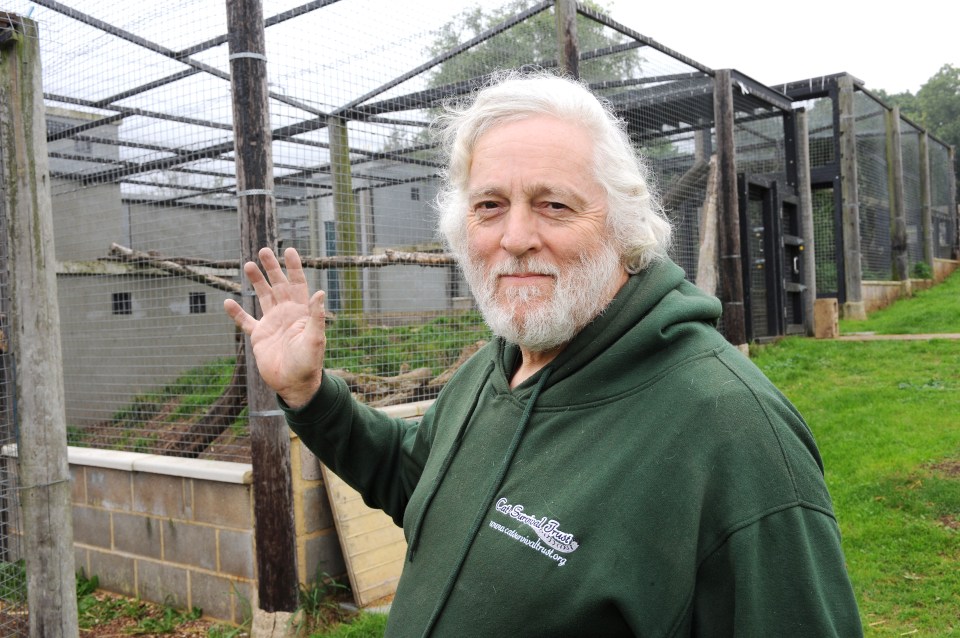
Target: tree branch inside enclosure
<point>194,439</point>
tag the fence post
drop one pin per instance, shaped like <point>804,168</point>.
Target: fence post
<point>35,337</point>
<point>806,222</point>
<point>899,257</point>
<point>926,202</point>
<point>853,307</point>
<point>568,44</point>
<point>728,213</point>
<point>953,208</point>
<point>269,439</point>
<point>345,213</point>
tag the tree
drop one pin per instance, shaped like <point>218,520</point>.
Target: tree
<point>907,102</point>
<point>936,106</point>
<point>939,104</point>
<point>530,42</point>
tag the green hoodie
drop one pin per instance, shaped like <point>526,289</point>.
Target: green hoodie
<point>650,481</point>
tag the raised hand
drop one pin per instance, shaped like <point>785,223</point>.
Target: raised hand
<point>288,341</point>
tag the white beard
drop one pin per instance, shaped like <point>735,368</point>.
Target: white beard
<point>525,315</point>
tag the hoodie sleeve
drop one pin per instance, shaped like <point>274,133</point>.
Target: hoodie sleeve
<point>379,456</point>
<point>782,575</point>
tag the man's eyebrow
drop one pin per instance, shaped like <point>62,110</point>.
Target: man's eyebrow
<point>485,191</point>
<point>548,190</point>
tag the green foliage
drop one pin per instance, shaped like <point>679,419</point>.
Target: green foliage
<point>907,101</point>
<point>147,619</point>
<point>936,106</point>
<point>939,104</point>
<point>383,351</point>
<point>921,270</point>
<point>532,42</point>
<point>13,582</point>
<point>364,625</point>
<point>320,595</point>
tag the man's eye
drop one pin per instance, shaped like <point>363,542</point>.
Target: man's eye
<point>555,207</point>
<point>486,208</point>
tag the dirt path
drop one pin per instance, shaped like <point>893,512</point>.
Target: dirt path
<point>875,337</point>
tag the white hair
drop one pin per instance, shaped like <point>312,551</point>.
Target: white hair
<point>635,220</point>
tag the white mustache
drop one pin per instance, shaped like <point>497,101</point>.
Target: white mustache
<point>530,266</point>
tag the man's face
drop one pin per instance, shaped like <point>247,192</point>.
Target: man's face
<point>539,261</point>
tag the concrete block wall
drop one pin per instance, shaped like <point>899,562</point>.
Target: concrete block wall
<point>165,529</point>
<point>318,546</point>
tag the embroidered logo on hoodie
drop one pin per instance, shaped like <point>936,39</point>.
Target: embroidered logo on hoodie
<point>547,529</point>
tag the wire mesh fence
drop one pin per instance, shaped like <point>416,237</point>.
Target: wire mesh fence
<point>13,590</point>
<point>145,190</point>
<point>912,192</point>
<point>143,179</point>
<point>874,188</point>
<point>943,217</point>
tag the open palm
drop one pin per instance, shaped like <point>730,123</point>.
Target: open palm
<point>288,341</point>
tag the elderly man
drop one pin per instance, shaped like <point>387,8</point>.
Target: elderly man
<point>608,465</point>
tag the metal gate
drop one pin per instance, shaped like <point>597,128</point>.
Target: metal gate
<point>772,249</point>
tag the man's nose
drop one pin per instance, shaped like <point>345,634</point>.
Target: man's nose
<point>521,232</point>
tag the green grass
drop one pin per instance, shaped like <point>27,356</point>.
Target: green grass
<point>886,416</point>
<point>936,310</point>
<point>365,625</point>
<point>383,350</point>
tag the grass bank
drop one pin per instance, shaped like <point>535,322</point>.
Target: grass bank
<point>886,416</point>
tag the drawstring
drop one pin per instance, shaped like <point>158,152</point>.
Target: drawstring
<point>415,531</point>
<point>494,489</point>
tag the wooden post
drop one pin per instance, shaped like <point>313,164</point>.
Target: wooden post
<point>728,213</point>
<point>345,214</point>
<point>853,307</point>
<point>568,44</point>
<point>952,207</point>
<point>270,440</point>
<point>25,213</point>
<point>899,257</point>
<point>926,201</point>
<point>806,223</point>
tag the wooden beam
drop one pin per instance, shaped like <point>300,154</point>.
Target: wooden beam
<point>270,442</point>
<point>568,44</point>
<point>852,307</point>
<point>728,212</point>
<point>805,192</point>
<point>899,257</point>
<point>926,201</point>
<point>34,316</point>
<point>345,214</point>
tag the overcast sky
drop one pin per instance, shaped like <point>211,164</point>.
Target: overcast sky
<point>895,47</point>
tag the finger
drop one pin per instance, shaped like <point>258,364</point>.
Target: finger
<point>260,286</point>
<point>272,267</point>
<point>244,321</point>
<point>291,259</point>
